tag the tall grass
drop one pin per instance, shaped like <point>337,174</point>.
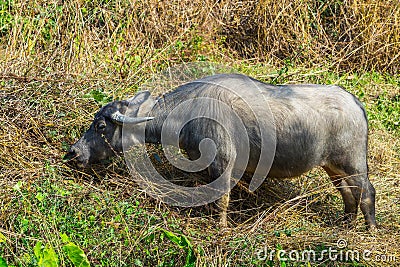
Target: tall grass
<point>346,35</point>
<point>42,39</point>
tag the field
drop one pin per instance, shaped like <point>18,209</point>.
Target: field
<point>62,60</point>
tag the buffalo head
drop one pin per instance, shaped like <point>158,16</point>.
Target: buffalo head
<point>103,139</point>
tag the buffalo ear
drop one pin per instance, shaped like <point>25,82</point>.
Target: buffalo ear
<point>139,98</point>
<point>144,102</point>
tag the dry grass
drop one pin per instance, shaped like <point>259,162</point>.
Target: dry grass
<point>55,53</point>
<point>344,35</point>
<point>118,39</point>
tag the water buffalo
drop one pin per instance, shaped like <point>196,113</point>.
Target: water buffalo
<point>313,125</point>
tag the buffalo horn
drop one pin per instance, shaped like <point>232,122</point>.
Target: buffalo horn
<point>121,118</point>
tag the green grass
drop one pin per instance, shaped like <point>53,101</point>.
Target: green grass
<point>94,219</point>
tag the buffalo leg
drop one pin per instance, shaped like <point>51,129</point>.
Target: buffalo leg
<point>350,203</point>
<point>219,169</point>
<point>356,189</point>
<point>362,189</point>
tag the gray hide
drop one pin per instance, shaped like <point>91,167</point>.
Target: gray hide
<point>316,125</point>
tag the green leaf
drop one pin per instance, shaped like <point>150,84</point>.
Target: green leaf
<point>37,250</point>
<point>138,60</point>
<point>46,257</point>
<point>183,242</point>
<point>18,186</point>
<point>173,237</point>
<point>64,238</point>
<point>99,96</point>
<point>3,262</point>
<point>2,238</point>
<point>190,258</point>
<point>76,255</point>
<point>40,197</point>
<point>138,262</point>
<point>49,259</point>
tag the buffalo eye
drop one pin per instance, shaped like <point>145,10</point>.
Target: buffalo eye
<point>101,126</point>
